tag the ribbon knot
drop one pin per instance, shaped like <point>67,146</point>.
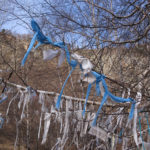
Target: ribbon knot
<point>73,63</point>
<point>98,79</point>
<point>39,36</point>
<point>132,100</point>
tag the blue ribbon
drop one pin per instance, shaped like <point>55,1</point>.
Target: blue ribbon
<point>148,124</point>
<point>99,109</point>
<point>39,36</point>
<point>120,136</point>
<point>141,132</point>
<point>1,122</point>
<point>120,100</point>
<point>29,49</point>
<point>99,78</point>
<point>98,92</point>
<point>87,95</point>
<point>35,26</point>
<point>42,39</point>
<point>74,64</point>
<point>47,40</point>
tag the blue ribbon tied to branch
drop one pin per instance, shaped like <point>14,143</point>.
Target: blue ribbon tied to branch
<point>101,78</point>
<point>72,63</point>
<point>96,80</point>
<point>85,68</point>
<point>42,39</point>
<point>39,36</point>
<point>116,99</point>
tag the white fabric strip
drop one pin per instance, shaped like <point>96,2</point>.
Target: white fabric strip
<point>47,119</point>
<point>138,99</point>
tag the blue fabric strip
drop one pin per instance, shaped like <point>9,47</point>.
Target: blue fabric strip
<point>44,40</point>
<point>1,122</point>
<point>141,132</point>
<point>113,97</point>
<point>87,96</point>
<point>98,92</point>
<point>99,109</point>
<point>120,136</point>
<point>67,55</point>
<point>29,49</point>
<point>98,80</point>
<point>49,40</point>
<point>95,74</point>
<point>59,97</point>
<point>120,100</point>
<point>131,114</point>
<point>99,77</point>
<point>148,124</point>
<point>35,26</point>
<point>40,36</point>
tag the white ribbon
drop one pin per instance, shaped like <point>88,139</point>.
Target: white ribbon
<point>79,117</point>
<point>85,63</point>
<point>26,100</point>
<point>138,99</point>
<point>88,78</point>
<point>47,119</point>
<point>66,128</point>
<point>11,102</point>
<point>21,98</point>
<point>41,101</point>
<point>50,54</point>
<point>99,133</point>
<point>145,144</point>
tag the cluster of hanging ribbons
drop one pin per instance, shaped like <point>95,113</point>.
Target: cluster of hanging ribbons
<point>90,76</point>
<point>27,94</point>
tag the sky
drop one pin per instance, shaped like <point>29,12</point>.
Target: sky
<point>18,26</point>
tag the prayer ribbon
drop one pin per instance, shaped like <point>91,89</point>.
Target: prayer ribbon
<point>39,36</point>
<point>85,66</point>
<point>101,78</point>
<point>1,122</point>
<point>141,132</point>
<point>148,124</point>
